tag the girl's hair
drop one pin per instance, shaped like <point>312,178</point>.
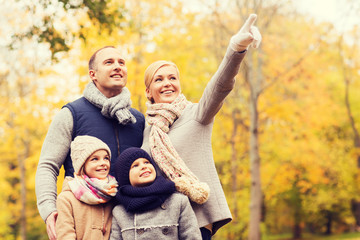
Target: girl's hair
<point>152,68</point>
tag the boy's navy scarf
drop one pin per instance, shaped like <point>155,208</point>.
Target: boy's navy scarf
<point>142,199</point>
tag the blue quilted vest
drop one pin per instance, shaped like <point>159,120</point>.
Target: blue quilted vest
<point>88,120</point>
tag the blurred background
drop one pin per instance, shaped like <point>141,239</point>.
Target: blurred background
<point>286,142</point>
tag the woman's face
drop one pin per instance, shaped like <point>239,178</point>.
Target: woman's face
<point>165,85</point>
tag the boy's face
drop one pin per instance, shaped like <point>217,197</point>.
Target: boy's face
<point>98,165</point>
<point>142,173</point>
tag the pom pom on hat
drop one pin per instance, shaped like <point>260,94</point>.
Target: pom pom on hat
<point>82,147</point>
<point>124,162</point>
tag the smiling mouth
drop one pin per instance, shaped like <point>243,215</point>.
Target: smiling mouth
<point>116,75</point>
<point>145,174</point>
<point>167,92</point>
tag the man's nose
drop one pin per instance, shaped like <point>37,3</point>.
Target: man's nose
<point>117,65</point>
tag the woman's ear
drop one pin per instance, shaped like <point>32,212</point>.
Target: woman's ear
<point>148,94</point>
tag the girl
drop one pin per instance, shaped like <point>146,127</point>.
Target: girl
<point>84,206</point>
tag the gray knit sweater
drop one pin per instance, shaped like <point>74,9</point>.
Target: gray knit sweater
<point>53,153</point>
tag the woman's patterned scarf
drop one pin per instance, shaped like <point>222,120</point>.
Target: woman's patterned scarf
<point>92,190</point>
<point>161,116</point>
<point>116,107</point>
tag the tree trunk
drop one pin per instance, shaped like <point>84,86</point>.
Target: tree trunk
<point>354,202</point>
<point>255,192</point>
<point>355,207</point>
<point>329,218</point>
<point>297,231</point>
<point>21,160</point>
<point>234,173</point>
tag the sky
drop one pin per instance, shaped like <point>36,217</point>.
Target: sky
<point>334,11</point>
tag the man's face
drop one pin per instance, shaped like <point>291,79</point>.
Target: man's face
<point>110,72</point>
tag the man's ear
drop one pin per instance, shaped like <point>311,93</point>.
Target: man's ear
<point>92,74</point>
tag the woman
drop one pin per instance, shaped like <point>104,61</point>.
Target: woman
<point>178,134</point>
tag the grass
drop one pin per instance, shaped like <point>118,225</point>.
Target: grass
<point>353,236</point>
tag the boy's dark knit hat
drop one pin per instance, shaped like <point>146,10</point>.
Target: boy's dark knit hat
<point>124,161</point>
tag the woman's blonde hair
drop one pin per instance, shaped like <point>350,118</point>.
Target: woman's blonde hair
<point>152,68</point>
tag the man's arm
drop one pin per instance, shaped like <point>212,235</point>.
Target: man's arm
<point>53,153</point>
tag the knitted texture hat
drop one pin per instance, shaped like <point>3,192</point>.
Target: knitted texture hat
<point>82,147</point>
<point>124,161</point>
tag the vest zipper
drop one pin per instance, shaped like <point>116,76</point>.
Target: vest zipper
<point>117,137</point>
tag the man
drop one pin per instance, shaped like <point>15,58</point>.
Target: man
<point>104,112</point>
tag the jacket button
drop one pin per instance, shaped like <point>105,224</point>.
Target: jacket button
<point>140,231</point>
<point>163,206</point>
<point>165,231</point>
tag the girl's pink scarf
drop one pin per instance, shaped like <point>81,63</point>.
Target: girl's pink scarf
<point>92,190</point>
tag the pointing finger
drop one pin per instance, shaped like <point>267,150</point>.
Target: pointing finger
<point>249,22</point>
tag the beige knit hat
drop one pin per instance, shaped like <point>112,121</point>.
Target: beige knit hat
<point>82,147</point>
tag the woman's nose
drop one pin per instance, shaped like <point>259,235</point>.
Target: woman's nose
<point>166,82</point>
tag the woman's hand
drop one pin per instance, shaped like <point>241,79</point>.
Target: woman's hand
<point>247,35</point>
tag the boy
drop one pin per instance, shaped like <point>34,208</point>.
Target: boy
<point>148,206</point>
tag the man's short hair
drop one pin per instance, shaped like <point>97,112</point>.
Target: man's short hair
<point>93,57</point>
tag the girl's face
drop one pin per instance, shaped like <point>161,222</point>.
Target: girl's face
<point>142,173</point>
<point>165,85</point>
<point>98,165</point>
